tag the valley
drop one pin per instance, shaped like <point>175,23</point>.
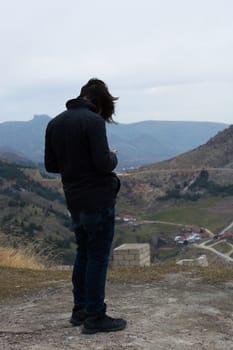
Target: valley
<point>46,220</point>
<point>165,199</point>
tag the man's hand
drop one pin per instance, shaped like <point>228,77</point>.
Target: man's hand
<point>114,151</point>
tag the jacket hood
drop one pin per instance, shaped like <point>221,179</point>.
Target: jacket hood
<point>80,103</point>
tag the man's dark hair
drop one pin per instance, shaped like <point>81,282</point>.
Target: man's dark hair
<point>97,92</point>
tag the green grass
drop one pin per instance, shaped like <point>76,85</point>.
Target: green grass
<point>194,252</point>
<point>203,213</point>
<point>172,255</point>
<point>222,247</point>
<point>167,253</point>
<point>211,242</point>
<point>125,233</point>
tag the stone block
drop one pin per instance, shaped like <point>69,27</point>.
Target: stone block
<point>131,254</point>
<point>201,261</point>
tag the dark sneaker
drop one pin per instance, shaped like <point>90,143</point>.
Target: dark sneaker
<point>103,324</point>
<point>78,316</point>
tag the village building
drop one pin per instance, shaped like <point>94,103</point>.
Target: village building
<point>128,218</point>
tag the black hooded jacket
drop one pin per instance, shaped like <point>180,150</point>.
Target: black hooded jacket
<point>76,146</point>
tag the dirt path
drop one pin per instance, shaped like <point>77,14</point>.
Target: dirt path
<point>162,222</point>
<point>174,170</point>
<point>178,313</point>
<point>225,256</point>
<point>226,229</point>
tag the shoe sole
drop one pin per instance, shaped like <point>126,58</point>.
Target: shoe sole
<point>96,330</point>
<point>75,323</point>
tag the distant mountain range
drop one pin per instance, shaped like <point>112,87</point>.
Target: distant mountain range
<point>137,143</point>
<point>25,138</point>
<point>152,141</point>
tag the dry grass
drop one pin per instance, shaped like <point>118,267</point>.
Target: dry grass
<point>17,282</point>
<point>212,274</point>
<point>20,258</point>
<point>31,255</point>
<point>142,274</point>
<point>26,268</point>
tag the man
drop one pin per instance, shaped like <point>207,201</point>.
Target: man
<point>76,146</point>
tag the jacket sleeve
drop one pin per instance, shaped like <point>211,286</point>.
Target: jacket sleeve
<point>104,161</point>
<point>50,160</point>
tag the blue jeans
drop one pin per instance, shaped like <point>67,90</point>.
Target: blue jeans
<point>94,232</point>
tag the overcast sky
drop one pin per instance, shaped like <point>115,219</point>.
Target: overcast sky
<point>165,59</point>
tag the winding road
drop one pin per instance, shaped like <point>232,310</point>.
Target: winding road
<point>202,245</point>
<point>222,255</point>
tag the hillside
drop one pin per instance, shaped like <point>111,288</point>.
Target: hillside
<point>32,206</point>
<point>206,170</point>
<point>216,153</point>
<point>195,188</point>
<point>11,157</point>
<point>137,143</point>
<point>33,212</point>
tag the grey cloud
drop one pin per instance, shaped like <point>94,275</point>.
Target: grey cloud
<point>182,48</point>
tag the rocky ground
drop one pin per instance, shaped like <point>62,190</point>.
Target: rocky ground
<point>177,312</point>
